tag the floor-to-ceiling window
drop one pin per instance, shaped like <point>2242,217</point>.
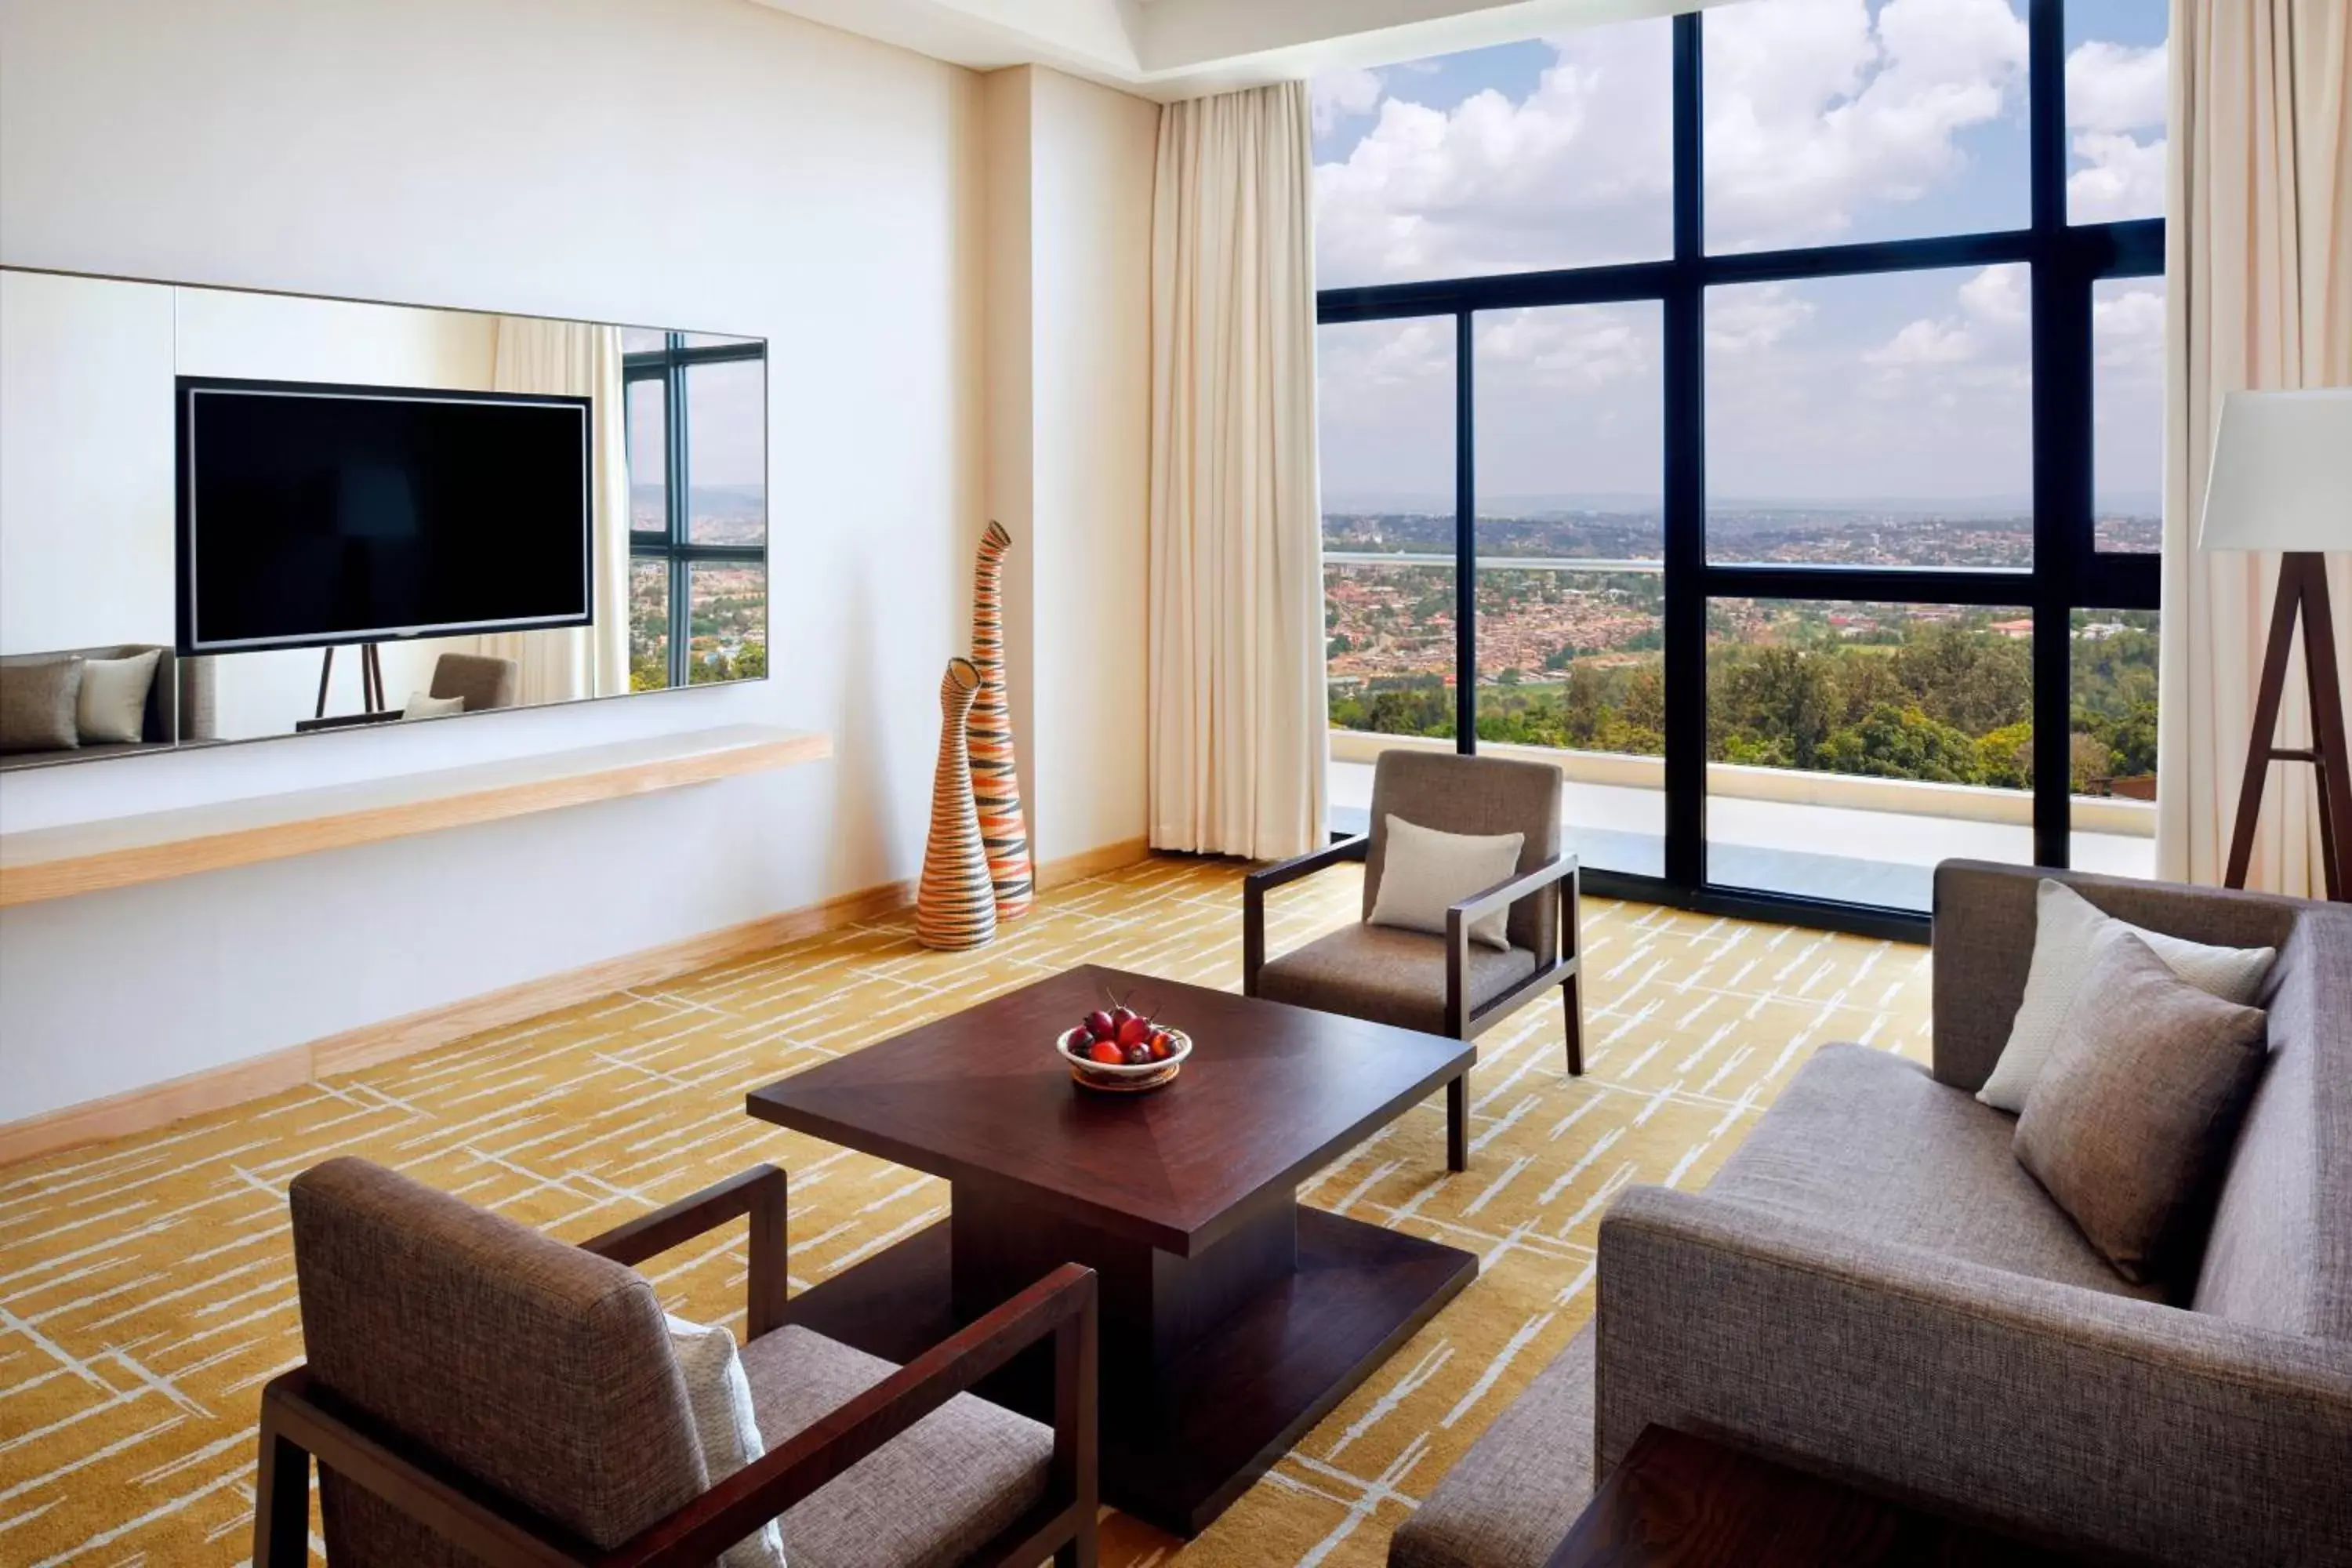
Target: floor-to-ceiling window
<point>1758,413</point>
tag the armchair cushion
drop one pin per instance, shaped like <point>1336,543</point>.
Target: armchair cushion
<point>1388,976</point>
<point>933,1496</point>
<point>1865,1143</point>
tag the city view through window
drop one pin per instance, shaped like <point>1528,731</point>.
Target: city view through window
<point>1878,422</point>
<point>696,408</point>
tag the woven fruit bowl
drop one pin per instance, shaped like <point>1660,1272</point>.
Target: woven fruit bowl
<point>1122,1078</point>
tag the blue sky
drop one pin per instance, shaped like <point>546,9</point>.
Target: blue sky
<point>1827,120</point>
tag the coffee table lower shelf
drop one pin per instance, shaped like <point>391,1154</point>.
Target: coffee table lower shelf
<point>1223,1411</point>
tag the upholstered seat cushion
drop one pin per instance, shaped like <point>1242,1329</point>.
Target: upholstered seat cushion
<point>1509,1502</point>
<point>933,1496</point>
<point>1387,975</point>
<point>1865,1142</point>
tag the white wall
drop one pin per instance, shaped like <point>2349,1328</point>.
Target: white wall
<point>1069,362</point>
<point>701,164</point>
<point>85,471</point>
<point>1092,151</point>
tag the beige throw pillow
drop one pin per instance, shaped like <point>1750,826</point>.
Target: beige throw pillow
<point>2130,1125</point>
<point>2066,932</point>
<point>719,1396</point>
<point>1424,872</point>
<point>112,707</point>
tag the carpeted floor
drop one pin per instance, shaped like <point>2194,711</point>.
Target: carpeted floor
<point>147,1292</point>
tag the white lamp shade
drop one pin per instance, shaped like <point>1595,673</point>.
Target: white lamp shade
<point>2282,474</point>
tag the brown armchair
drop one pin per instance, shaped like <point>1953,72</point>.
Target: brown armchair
<point>1441,985</point>
<point>479,1394</point>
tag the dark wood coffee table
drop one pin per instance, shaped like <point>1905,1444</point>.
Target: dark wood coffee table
<point>1232,1318</point>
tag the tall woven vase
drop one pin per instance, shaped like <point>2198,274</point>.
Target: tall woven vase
<point>954,905</point>
<point>995,786</point>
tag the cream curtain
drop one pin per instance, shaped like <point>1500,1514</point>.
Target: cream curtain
<point>578,361</point>
<point>2258,263</point>
<point>1238,710</point>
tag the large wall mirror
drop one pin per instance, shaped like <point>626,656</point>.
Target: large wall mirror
<point>226,516</point>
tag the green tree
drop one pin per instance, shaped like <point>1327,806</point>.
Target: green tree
<point>1894,742</point>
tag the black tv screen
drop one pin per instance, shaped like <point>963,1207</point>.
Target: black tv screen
<point>313,514</point>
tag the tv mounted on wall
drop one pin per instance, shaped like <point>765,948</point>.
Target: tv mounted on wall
<point>313,514</point>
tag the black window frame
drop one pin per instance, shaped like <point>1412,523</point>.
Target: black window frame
<point>2068,573</point>
<point>672,544</point>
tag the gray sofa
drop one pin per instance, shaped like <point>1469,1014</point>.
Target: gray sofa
<point>1873,1287</point>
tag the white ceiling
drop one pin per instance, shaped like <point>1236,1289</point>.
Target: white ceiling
<point>1182,49</point>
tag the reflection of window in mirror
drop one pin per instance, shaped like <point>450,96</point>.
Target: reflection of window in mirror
<point>697,421</point>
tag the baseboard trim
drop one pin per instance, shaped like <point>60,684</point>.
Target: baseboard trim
<point>219,1088</point>
<point>1061,873</point>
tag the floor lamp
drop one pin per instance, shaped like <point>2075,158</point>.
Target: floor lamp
<point>2282,480</point>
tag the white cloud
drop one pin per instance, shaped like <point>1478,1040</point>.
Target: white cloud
<point>2115,108</point>
<point>1578,348</point>
<point>1815,114</point>
<point>2128,330</point>
<point>1924,342</point>
<point>1999,294</point>
<point>1578,173</point>
<point>1752,316</point>
<point>2126,179</point>
<point>1337,95</point>
<point>2113,86</point>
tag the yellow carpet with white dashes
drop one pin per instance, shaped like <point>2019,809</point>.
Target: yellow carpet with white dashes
<point>147,1288</point>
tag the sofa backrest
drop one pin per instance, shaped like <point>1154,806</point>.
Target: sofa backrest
<point>1985,918</point>
<point>2280,1251</point>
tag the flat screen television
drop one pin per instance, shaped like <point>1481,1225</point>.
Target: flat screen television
<point>313,514</point>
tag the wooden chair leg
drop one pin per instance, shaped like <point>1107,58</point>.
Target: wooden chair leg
<point>1457,1124</point>
<point>281,1504</point>
<point>1571,996</point>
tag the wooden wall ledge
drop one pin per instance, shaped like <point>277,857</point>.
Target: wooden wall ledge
<point>125,851</point>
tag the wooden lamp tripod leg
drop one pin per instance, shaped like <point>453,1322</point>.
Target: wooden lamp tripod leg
<point>2302,591</point>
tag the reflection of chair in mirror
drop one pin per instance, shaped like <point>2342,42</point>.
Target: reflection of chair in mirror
<point>482,680</point>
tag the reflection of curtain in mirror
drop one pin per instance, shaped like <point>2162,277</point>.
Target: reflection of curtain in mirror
<point>576,360</point>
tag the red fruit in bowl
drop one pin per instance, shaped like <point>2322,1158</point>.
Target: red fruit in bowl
<point>1105,1052</point>
<point>1163,1044</point>
<point>1119,1016</point>
<point>1133,1031</point>
<point>1099,1025</point>
<point>1138,1054</point>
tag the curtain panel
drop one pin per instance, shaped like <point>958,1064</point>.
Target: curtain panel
<point>2258,260</point>
<point>1238,708</point>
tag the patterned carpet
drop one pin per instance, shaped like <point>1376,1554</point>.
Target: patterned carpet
<point>147,1292</point>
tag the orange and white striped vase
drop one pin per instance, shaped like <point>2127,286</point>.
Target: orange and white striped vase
<point>955,906</point>
<point>996,786</point>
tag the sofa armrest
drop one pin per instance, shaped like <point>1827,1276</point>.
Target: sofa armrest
<point>2072,1416</point>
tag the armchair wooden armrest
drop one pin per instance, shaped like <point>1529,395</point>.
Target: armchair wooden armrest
<point>758,1193</point>
<point>1256,886</point>
<point>1551,968</point>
